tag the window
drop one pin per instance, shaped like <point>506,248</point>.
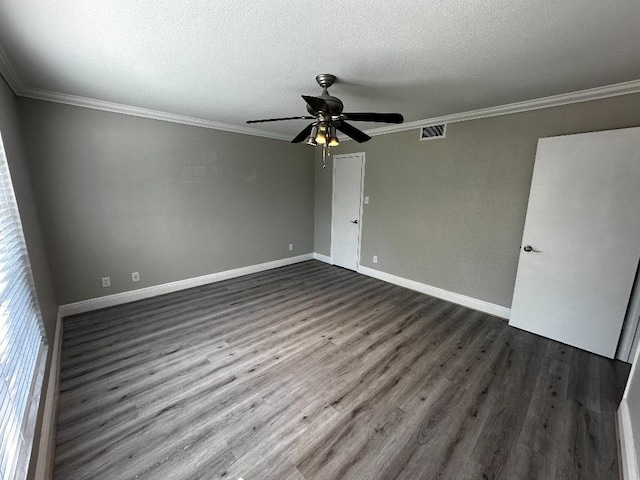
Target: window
<point>22,343</point>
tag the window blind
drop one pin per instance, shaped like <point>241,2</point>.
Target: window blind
<point>22,341</point>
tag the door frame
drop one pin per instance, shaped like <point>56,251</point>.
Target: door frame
<point>333,199</point>
<point>630,336</point>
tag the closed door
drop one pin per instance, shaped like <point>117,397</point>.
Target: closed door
<point>348,176</point>
<point>581,239</point>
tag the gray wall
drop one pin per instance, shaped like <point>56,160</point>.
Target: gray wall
<point>450,213</point>
<point>120,194</point>
<point>13,146</point>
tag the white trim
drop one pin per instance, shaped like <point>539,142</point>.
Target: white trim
<point>636,344</point>
<point>625,431</point>
<point>148,292</point>
<point>46,448</point>
<point>361,211</point>
<point>627,447</point>
<point>474,303</point>
<point>8,72</point>
<point>333,200</point>
<point>322,258</point>
<point>85,102</point>
<point>535,104</point>
<point>634,365</point>
<point>628,337</point>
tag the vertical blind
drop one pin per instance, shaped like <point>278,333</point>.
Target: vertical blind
<point>22,342</point>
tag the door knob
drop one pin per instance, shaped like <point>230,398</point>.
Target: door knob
<point>354,221</point>
<point>529,248</point>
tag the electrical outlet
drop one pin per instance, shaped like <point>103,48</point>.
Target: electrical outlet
<point>106,282</point>
<point>366,200</point>
<point>135,276</point>
<point>291,247</point>
<point>375,259</point>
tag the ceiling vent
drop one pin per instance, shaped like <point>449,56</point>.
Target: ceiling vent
<point>433,131</point>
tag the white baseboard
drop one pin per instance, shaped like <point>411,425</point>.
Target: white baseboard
<point>627,446</point>
<point>322,258</point>
<point>46,447</point>
<point>148,292</point>
<point>474,303</point>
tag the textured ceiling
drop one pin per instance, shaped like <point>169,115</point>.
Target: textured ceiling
<point>230,61</point>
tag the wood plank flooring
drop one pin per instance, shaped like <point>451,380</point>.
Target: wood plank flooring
<point>315,372</point>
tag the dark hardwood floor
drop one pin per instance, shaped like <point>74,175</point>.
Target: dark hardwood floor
<point>315,372</point>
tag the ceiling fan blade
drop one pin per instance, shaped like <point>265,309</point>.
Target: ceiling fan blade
<point>374,117</point>
<point>358,135</point>
<point>303,134</point>
<point>278,119</point>
<point>316,103</point>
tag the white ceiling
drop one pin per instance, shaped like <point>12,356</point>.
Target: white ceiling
<point>230,61</point>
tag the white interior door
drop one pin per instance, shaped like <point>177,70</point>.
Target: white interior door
<point>348,177</point>
<point>581,239</point>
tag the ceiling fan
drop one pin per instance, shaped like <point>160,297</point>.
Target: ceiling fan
<point>326,111</point>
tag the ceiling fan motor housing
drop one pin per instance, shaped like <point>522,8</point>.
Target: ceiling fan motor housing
<point>334,104</point>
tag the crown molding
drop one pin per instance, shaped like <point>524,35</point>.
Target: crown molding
<point>8,72</point>
<point>518,107</point>
<point>10,75</point>
<point>144,112</point>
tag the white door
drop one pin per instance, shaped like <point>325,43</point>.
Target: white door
<point>348,177</point>
<point>581,239</point>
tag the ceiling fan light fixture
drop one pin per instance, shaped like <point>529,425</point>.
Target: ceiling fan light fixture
<point>333,138</point>
<point>321,137</point>
<point>312,136</point>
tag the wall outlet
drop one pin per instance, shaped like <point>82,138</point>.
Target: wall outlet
<point>366,200</point>
<point>291,247</point>
<point>375,259</point>
<point>135,276</point>
<point>106,282</point>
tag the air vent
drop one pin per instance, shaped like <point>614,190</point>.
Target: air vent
<point>433,131</point>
